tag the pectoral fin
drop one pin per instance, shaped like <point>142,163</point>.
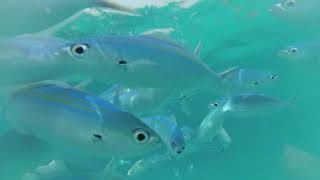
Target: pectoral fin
<point>223,140</point>
<point>227,72</point>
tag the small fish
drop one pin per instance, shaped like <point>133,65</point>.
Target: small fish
<point>284,7</point>
<point>248,102</point>
<point>211,125</point>
<point>194,143</point>
<point>137,100</point>
<point>167,128</point>
<point>140,4</point>
<point>72,120</point>
<point>303,52</point>
<point>28,18</point>
<point>246,77</point>
<point>297,10</point>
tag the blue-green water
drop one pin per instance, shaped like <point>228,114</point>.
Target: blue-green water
<point>281,143</point>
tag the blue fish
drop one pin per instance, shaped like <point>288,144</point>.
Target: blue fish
<point>74,121</point>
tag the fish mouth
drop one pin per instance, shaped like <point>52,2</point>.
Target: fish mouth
<point>283,53</point>
<point>177,149</point>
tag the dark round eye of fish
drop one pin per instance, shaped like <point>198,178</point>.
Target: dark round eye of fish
<point>141,136</point>
<point>293,50</point>
<point>273,77</point>
<point>121,62</point>
<point>79,50</point>
<point>179,151</point>
<point>215,104</point>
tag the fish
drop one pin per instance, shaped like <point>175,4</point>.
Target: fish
<point>137,100</point>
<point>144,61</point>
<point>35,16</point>
<point>284,7</point>
<point>75,122</point>
<point>296,10</point>
<point>241,77</point>
<point>246,103</point>
<point>301,52</point>
<point>140,4</point>
<point>169,131</point>
<point>136,61</point>
<point>205,137</point>
<point>211,125</point>
<point>193,142</point>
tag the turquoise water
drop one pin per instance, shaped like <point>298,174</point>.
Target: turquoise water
<point>280,143</point>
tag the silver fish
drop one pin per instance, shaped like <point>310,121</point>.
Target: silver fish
<point>247,102</point>
<point>136,100</point>
<point>302,52</point>
<point>74,121</point>
<point>139,61</point>
<point>246,77</point>
<point>211,125</point>
<point>194,143</point>
<point>169,131</point>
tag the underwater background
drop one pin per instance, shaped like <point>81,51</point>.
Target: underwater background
<point>281,144</point>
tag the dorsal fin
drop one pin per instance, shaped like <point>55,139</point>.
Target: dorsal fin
<point>162,35</point>
<point>162,32</point>
<point>83,84</point>
<point>197,50</point>
<point>228,71</point>
<point>110,92</point>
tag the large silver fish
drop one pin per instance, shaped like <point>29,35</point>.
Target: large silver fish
<point>140,61</point>
<point>36,15</point>
<point>78,123</point>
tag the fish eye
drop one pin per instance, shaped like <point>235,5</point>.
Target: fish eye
<point>122,62</point>
<point>213,105</point>
<point>178,150</point>
<point>273,77</point>
<point>79,50</point>
<point>293,50</point>
<point>141,136</point>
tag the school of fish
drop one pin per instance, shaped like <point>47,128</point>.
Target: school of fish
<point>143,113</point>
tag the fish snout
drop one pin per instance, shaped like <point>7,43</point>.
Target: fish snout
<point>178,149</point>
<point>283,53</point>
